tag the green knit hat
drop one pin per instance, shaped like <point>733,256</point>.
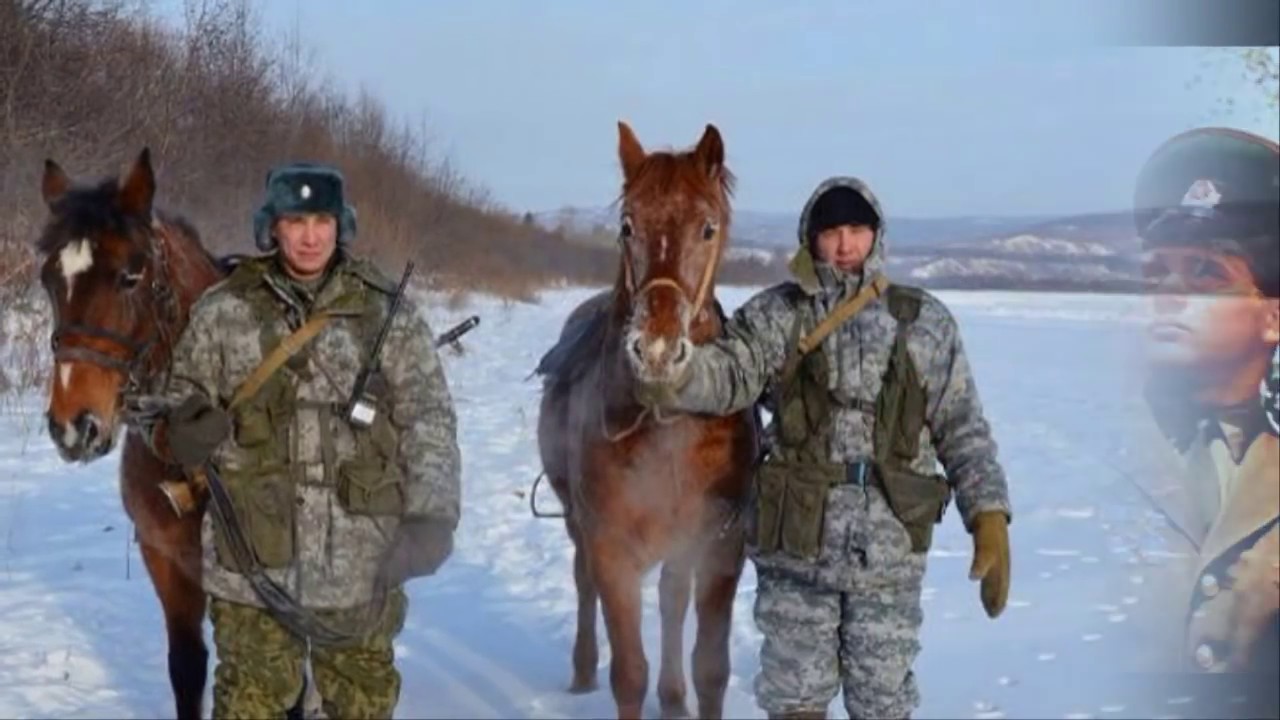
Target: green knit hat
<point>303,188</point>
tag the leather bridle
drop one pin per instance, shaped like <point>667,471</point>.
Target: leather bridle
<point>137,354</point>
<point>699,299</point>
<point>704,283</point>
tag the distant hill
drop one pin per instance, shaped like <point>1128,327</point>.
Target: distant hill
<point>1088,253</point>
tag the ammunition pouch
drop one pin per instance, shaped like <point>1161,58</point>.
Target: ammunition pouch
<point>263,491</point>
<point>371,488</point>
<point>372,483</point>
<point>918,501</point>
<point>253,426</point>
<point>791,505</point>
<point>263,499</point>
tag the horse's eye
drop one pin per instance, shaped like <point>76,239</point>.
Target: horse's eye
<point>709,230</point>
<point>129,279</point>
<point>626,231</point>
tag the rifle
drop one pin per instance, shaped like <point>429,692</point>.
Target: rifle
<point>450,336</point>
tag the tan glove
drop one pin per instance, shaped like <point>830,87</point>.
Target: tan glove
<point>1256,591</point>
<point>991,559</point>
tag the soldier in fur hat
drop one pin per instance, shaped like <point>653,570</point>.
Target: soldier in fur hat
<point>331,508</point>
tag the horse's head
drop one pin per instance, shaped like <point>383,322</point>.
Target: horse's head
<point>674,224</point>
<point>101,267</point>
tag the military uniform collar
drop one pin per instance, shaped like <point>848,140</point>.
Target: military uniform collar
<point>1252,505</point>
<point>334,292</point>
<point>1238,426</point>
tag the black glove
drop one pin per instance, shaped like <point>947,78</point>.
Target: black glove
<point>194,429</point>
<point>421,546</point>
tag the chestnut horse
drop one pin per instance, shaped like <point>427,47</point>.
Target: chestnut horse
<point>640,488</point>
<point>121,279</point>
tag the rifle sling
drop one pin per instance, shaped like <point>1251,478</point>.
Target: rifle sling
<point>278,356</point>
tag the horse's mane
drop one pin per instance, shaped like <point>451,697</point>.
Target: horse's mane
<point>85,210</point>
<point>668,173</point>
<point>580,343</point>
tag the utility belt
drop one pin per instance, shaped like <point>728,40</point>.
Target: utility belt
<point>791,501</point>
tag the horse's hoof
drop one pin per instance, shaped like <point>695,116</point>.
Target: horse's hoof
<point>582,686</point>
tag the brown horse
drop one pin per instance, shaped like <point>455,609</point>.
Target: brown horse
<point>121,279</point>
<point>638,488</point>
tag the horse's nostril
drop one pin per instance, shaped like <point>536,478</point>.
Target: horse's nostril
<point>636,348</point>
<point>87,427</point>
<point>682,351</point>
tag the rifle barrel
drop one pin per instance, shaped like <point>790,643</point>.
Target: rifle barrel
<point>457,331</point>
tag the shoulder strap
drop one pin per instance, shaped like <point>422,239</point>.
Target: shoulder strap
<point>904,303</point>
<point>842,312</point>
<point>277,357</point>
<point>374,306</point>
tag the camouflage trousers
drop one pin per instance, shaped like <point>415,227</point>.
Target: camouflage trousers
<point>260,665</point>
<point>816,641</point>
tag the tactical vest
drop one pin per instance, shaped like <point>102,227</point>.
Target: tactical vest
<point>793,482</point>
<point>263,491</point>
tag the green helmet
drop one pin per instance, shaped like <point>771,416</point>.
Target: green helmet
<point>303,188</point>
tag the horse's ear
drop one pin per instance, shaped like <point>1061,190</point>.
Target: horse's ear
<point>710,151</point>
<point>139,187</point>
<point>630,151</point>
<point>55,183</point>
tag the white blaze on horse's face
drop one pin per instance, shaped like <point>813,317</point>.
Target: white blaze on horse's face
<point>657,344</point>
<point>74,259</point>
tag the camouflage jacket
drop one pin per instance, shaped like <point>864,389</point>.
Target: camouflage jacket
<point>733,372</point>
<point>321,501</point>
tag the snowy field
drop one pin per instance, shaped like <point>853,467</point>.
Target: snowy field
<point>81,634</point>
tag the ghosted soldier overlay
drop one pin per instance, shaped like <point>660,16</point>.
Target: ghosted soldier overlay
<point>1206,206</point>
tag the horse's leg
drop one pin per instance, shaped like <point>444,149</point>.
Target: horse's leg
<point>174,566</point>
<point>171,550</point>
<point>718,572</point>
<point>674,587</point>
<point>617,575</point>
<point>586,649</point>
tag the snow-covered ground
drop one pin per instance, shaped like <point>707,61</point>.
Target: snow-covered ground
<point>489,636</point>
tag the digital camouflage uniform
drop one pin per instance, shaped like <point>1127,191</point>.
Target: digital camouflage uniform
<point>851,615</point>
<point>322,502</point>
<point>1210,602</point>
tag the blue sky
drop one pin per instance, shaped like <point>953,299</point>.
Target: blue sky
<point>946,108</point>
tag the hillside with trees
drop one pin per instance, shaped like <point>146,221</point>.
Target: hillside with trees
<point>89,83</point>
